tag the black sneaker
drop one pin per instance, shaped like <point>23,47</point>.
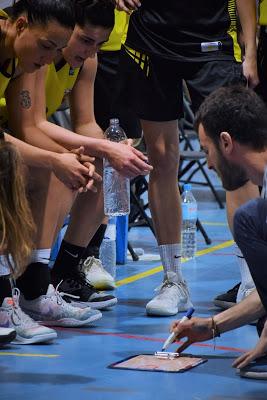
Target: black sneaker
<point>228,299</point>
<point>255,370</point>
<point>6,335</point>
<point>75,289</point>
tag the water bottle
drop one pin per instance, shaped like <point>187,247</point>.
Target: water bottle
<point>115,186</point>
<point>189,219</point>
<point>107,251</point>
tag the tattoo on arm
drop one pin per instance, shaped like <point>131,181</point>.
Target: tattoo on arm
<point>25,99</point>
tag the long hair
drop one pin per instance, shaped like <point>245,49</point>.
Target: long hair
<point>16,223</point>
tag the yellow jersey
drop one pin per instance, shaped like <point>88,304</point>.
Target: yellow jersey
<point>7,71</point>
<point>119,32</point>
<point>263,12</point>
<point>58,84</point>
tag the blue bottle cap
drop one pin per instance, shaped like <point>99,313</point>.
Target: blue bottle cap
<point>187,187</point>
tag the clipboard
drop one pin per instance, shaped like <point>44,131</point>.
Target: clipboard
<point>149,362</point>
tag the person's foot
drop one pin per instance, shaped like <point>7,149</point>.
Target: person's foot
<point>97,275</point>
<point>172,297</point>
<point>80,293</point>
<point>234,295</point>
<point>255,370</point>
<point>6,335</point>
<point>52,310</point>
<point>27,330</point>
<point>227,299</point>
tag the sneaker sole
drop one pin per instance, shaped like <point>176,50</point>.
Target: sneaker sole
<point>223,304</point>
<point>103,285</point>
<point>38,339</point>
<point>70,322</point>
<point>166,313</point>
<point>7,338</point>
<point>253,375</point>
<point>101,305</point>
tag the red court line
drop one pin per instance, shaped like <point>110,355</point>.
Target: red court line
<point>146,338</point>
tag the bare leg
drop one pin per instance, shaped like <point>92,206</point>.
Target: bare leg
<point>162,140</point>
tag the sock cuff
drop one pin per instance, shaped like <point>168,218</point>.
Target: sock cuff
<point>41,256</point>
<point>170,250</point>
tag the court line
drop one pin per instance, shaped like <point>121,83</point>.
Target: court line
<point>9,353</point>
<point>147,338</point>
<point>155,270</point>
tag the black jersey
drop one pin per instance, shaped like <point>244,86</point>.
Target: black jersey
<point>190,30</point>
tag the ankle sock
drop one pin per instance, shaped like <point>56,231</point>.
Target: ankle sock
<point>67,260</point>
<point>171,260</point>
<point>94,245</point>
<point>34,281</point>
<point>5,288</point>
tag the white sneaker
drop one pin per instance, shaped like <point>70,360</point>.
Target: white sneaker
<point>97,275</point>
<point>52,310</point>
<point>172,297</point>
<point>27,330</point>
<point>243,292</point>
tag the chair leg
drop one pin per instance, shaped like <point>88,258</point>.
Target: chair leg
<point>203,232</point>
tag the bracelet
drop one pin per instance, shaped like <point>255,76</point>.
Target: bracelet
<point>215,332</point>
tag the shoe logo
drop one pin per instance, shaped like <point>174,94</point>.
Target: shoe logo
<point>176,256</point>
<point>71,254</point>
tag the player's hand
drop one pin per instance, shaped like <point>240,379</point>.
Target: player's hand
<point>195,330</point>
<point>259,350</point>
<point>127,160</point>
<point>69,170</point>
<point>83,158</point>
<point>250,72</point>
<point>128,5</point>
<point>94,178</point>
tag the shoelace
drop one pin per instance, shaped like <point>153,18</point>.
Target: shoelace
<point>61,294</point>
<point>18,317</point>
<point>89,261</point>
<point>79,279</point>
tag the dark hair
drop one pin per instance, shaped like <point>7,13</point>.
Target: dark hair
<point>43,11</point>
<point>95,12</point>
<point>238,111</point>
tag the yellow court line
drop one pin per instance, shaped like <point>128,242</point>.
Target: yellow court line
<point>155,270</point>
<point>6,353</point>
<point>214,223</point>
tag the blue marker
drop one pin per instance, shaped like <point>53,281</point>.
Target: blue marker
<point>172,335</point>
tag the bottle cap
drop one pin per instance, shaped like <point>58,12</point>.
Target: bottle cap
<point>187,187</point>
<point>114,121</point>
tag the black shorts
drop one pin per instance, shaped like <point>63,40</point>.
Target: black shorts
<point>262,64</point>
<point>106,105</point>
<point>154,86</point>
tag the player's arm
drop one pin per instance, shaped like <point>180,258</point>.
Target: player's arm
<point>247,14</point>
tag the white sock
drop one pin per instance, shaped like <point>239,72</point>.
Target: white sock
<point>170,255</point>
<point>4,267</point>
<point>246,278</point>
<point>41,255</point>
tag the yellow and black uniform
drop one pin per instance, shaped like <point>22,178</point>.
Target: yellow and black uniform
<point>60,80</point>
<point>7,71</point>
<point>168,42</point>
<point>262,50</point>
<point>183,30</point>
<point>105,89</point>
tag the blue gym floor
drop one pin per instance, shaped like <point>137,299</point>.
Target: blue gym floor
<point>75,365</point>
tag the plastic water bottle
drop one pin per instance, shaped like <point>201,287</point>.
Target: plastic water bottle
<point>189,219</point>
<point>116,187</point>
<point>107,251</point>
